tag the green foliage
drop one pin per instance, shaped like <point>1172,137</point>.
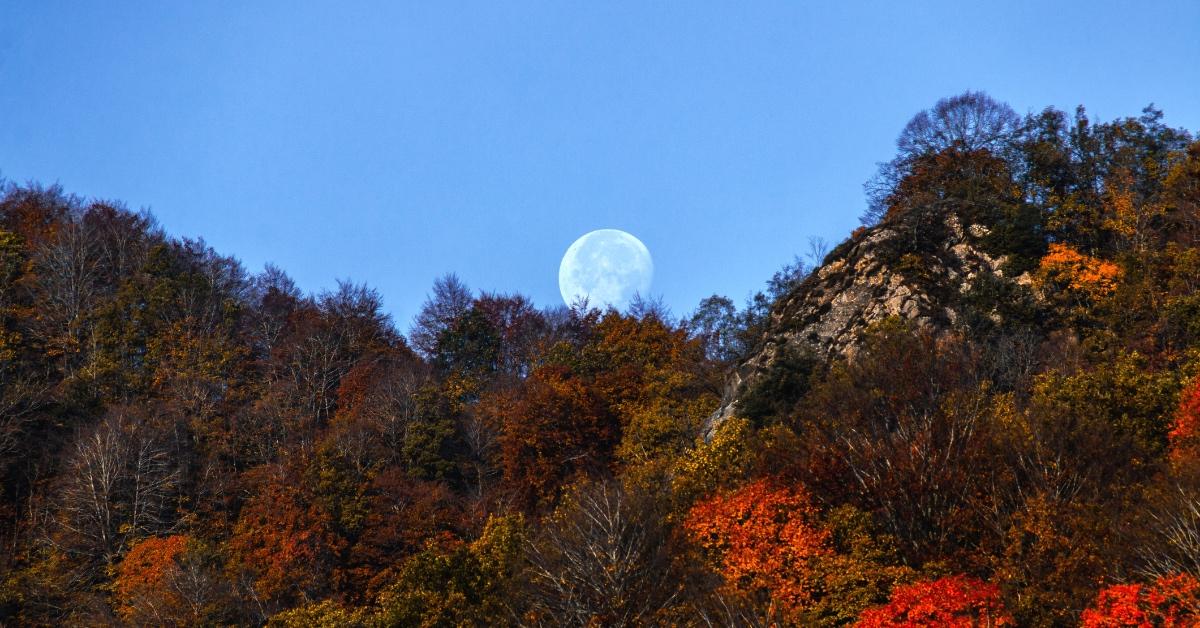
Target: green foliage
<point>470,347</point>
<point>439,588</point>
<point>1120,407</point>
<point>427,450</point>
<point>994,306</point>
<point>774,394</point>
<point>462,585</point>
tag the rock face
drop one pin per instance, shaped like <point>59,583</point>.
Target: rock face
<point>874,275</point>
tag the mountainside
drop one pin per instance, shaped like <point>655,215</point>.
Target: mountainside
<point>879,273</point>
<point>983,408</point>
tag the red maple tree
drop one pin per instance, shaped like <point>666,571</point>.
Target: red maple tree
<point>952,601</point>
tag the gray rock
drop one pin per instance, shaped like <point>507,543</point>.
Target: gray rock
<point>827,313</point>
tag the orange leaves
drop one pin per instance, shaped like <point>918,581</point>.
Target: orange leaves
<point>762,539</point>
<point>953,601</point>
<point>1170,601</point>
<point>146,573</point>
<point>1068,268</point>
<point>1185,429</point>
<point>285,542</point>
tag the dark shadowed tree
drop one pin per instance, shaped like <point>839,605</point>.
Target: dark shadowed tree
<point>715,324</point>
<point>971,121</point>
<point>451,298</point>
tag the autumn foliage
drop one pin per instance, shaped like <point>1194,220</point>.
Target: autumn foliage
<point>762,539</point>
<point>144,580</point>
<point>285,543</point>
<point>1185,426</point>
<point>1170,601</point>
<point>952,601</point>
<point>184,441</point>
<point>1083,274</point>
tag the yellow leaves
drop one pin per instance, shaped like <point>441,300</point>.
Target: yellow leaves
<point>11,261</point>
<point>499,546</point>
<point>1090,276</point>
<point>323,614</point>
<point>1123,214</point>
<point>714,464</point>
<point>1127,215</point>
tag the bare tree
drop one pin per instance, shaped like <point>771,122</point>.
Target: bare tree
<point>601,560</point>
<point>818,248</point>
<point>274,296</point>
<point>450,299</point>
<point>70,275</point>
<point>969,121</point>
<point>1176,537</point>
<point>117,487</point>
<point>651,306</point>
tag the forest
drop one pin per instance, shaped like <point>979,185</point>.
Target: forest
<point>187,443</point>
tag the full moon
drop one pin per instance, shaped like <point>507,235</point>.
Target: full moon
<point>607,267</point>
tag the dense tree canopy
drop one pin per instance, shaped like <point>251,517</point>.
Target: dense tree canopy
<point>183,442</point>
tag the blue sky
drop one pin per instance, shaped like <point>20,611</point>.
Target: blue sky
<point>393,142</point>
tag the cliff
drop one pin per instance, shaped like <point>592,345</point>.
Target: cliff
<point>936,274</point>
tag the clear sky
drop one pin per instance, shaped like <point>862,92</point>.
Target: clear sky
<point>394,142</point>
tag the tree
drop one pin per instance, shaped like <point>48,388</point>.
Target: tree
<point>322,614</point>
<point>555,427</point>
<point>284,545</point>
<point>952,601</point>
<point>1054,548</point>
<point>1182,198</point>
<point>171,580</point>
<point>602,559</point>
<point>118,488</point>
<point>715,324</point>
<point>1169,601</point>
<point>450,299</point>
<point>969,122</point>
<point>402,514</point>
<point>763,540</point>
<point>459,584</point>
<point>381,410</point>
<point>469,347</point>
<point>1172,542</point>
<point>900,429</point>
<point>972,120</point>
<point>520,329</point>
<point>1090,278</point>
<point>1184,436</point>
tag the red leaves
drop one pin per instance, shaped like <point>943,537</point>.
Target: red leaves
<point>553,428</point>
<point>953,601</point>
<point>1170,601</point>
<point>762,539</point>
<point>1185,430</point>
<point>285,541</point>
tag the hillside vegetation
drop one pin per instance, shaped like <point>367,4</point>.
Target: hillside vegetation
<point>981,408</point>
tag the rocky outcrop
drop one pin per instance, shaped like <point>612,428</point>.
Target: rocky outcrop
<point>876,274</point>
